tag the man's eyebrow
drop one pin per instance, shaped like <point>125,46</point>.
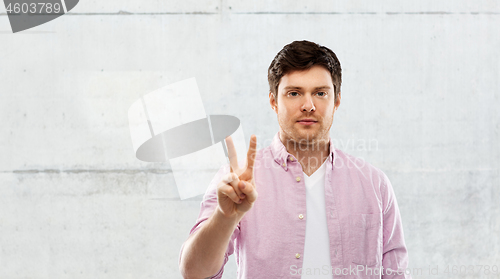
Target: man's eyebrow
<point>315,88</point>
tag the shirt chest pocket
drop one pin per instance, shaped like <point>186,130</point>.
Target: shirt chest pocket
<point>366,238</point>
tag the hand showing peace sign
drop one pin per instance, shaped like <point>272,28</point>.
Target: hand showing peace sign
<point>236,192</point>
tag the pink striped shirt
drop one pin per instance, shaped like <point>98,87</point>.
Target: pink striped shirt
<point>363,219</point>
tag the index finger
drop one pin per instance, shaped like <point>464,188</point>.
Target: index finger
<point>231,153</point>
<point>252,150</point>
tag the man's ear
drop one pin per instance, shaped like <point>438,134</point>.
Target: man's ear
<point>273,102</point>
<point>337,100</point>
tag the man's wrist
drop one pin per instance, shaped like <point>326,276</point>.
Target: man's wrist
<point>231,220</point>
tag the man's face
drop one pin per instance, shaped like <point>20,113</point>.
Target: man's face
<point>305,105</point>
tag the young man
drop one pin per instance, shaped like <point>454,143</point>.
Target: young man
<point>319,211</point>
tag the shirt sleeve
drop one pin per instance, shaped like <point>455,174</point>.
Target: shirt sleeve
<point>207,207</point>
<point>394,253</point>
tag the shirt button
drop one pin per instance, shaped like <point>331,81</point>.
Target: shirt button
<point>301,216</point>
<point>284,164</point>
<point>298,178</point>
<point>297,255</point>
<point>291,158</point>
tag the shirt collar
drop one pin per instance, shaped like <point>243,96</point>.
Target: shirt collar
<point>282,157</point>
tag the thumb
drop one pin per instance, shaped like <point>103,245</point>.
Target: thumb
<point>248,189</point>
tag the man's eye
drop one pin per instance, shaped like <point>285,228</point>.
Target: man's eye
<point>293,94</point>
<point>321,94</point>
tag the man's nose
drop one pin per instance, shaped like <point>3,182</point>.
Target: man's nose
<point>308,104</point>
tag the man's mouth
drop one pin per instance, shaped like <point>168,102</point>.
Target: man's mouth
<point>307,121</point>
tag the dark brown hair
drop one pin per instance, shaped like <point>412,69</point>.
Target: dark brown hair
<point>302,55</point>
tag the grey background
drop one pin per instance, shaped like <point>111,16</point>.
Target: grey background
<point>420,78</point>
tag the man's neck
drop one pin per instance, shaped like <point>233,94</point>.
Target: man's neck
<point>310,154</point>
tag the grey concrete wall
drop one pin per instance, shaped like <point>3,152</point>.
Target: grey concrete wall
<point>421,84</point>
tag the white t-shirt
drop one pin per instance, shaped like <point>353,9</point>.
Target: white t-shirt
<point>317,247</point>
